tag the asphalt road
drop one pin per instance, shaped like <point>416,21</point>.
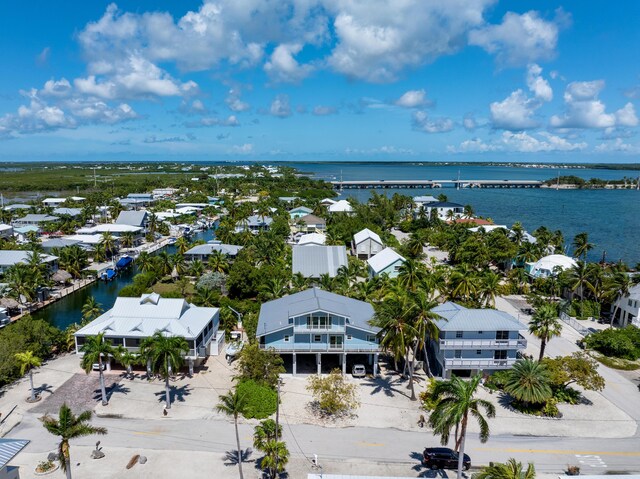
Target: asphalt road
<point>594,455</point>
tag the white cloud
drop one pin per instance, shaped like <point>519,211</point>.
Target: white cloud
<point>234,102</point>
<point>618,145</point>
<point>283,67</point>
<point>280,106</point>
<point>383,150</point>
<point>583,109</point>
<point>56,88</point>
<point>520,142</point>
<point>469,122</point>
<point>43,56</point>
<point>473,145</point>
<point>206,121</point>
<point>538,85</point>
<point>322,110</point>
<point>520,39</point>
<point>422,122</point>
<point>412,99</point>
<point>244,149</point>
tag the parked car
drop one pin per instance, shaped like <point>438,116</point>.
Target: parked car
<point>443,458</point>
<point>358,371</point>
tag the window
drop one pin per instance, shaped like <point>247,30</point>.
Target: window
<point>290,320</point>
<point>371,338</point>
<point>478,352</point>
<point>502,335</point>
<point>479,332</point>
<point>500,354</point>
<point>457,354</point>
<point>458,334</point>
<point>630,302</point>
<point>317,338</point>
<point>349,337</point>
<point>286,338</point>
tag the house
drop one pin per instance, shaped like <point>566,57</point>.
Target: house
<point>386,262</point>
<point>136,200</point>
<point>550,265</point>
<point>203,251</point>
<point>254,223</point>
<point>22,232</point>
<point>160,192</point>
<point>9,258</point>
<point>421,202</point>
<point>317,239</point>
<point>73,212</point>
<point>310,224</point>
<point>327,202</point>
<point>627,308</point>
<point>17,207</point>
<point>342,206</point>
<point>444,209</point>
<point>86,241</point>
<point>488,228</point>
<point>314,261</point>
<point>472,341</point>
<point>6,231</point>
<point>299,211</point>
<point>133,218</point>
<point>34,220</point>
<point>313,324</point>
<point>131,320</point>
<point>115,230</point>
<point>53,202</point>
<point>9,448</point>
<point>58,243</point>
<point>366,243</point>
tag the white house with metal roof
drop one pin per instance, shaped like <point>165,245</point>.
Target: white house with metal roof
<point>135,218</point>
<point>34,220</point>
<point>53,202</point>
<point>131,320</point>
<point>386,262</point>
<point>6,231</point>
<point>367,243</point>
<point>319,325</point>
<point>549,266</point>
<point>9,258</point>
<point>471,341</point>
<point>203,251</point>
<point>444,209</point>
<point>9,448</point>
<point>299,211</point>
<point>313,261</point>
<point>317,239</point>
<point>254,223</point>
<point>341,206</point>
<point>627,308</point>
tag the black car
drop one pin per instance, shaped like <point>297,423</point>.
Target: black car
<point>443,458</point>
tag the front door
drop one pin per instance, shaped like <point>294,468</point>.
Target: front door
<point>335,341</point>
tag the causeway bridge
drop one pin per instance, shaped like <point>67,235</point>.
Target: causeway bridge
<point>384,184</point>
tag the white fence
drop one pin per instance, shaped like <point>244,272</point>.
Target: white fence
<point>574,323</point>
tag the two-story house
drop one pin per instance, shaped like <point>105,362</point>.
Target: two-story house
<point>471,341</point>
<point>319,325</point>
<point>627,308</point>
<point>367,243</point>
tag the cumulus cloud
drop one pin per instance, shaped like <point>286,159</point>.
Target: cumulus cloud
<point>195,107</point>
<point>170,139</point>
<point>383,150</point>
<point>521,142</point>
<point>412,99</point>
<point>617,145</point>
<point>422,122</point>
<point>322,110</point>
<point>469,122</point>
<point>280,107</point>
<point>538,85</point>
<point>234,101</point>
<point>520,39</point>
<point>283,67</point>
<point>208,121</point>
<point>242,149</point>
<point>583,109</point>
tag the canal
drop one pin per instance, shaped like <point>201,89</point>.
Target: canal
<point>69,309</point>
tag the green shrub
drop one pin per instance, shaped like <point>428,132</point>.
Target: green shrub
<point>497,380</point>
<point>567,395</point>
<point>262,401</point>
<point>620,343</point>
<point>426,397</point>
<point>551,409</point>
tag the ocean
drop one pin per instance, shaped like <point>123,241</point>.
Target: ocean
<point>610,217</point>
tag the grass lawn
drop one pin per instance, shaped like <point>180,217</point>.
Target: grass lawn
<point>172,288</point>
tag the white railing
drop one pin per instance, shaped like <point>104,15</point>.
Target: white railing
<point>573,322</point>
<point>483,343</point>
<point>305,347</point>
<point>305,328</point>
<point>479,363</point>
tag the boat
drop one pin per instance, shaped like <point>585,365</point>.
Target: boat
<point>233,349</point>
<point>172,240</point>
<point>108,274</point>
<point>124,262</point>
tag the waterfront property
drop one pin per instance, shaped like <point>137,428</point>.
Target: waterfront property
<point>316,323</point>
<point>203,251</point>
<point>254,223</point>
<point>115,230</point>
<point>58,243</point>
<point>6,231</point>
<point>313,261</point>
<point>421,201</point>
<point>386,262</point>
<point>342,206</point>
<point>550,265</point>
<point>22,232</point>
<point>131,320</point>
<point>72,212</point>
<point>53,202</point>
<point>309,239</point>
<point>133,218</point>
<point>444,209</point>
<point>299,212</point>
<point>9,258</point>
<point>34,220</point>
<point>627,308</point>
<point>9,448</point>
<point>310,224</point>
<point>366,243</point>
<point>472,341</point>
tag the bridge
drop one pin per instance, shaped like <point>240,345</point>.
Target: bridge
<point>384,184</point>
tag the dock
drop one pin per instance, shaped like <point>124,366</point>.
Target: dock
<point>397,184</point>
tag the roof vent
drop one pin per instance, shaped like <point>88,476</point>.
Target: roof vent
<point>151,298</point>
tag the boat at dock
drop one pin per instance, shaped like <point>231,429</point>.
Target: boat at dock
<point>108,274</point>
<point>124,262</point>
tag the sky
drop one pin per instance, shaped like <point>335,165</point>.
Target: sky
<point>338,80</point>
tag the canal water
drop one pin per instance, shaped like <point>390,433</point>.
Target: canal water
<point>69,309</point>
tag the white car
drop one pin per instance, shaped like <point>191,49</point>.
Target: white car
<point>358,371</point>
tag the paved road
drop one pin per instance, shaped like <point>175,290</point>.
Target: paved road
<point>389,445</point>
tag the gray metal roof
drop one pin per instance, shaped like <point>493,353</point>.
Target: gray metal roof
<point>9,448</point>
<point>274,315</point>
<point>132,218</point>
<point>312,220</point>
<point>11,257</point>
<point>384,259</point>
<point>33,218</point>
<point>209,248</point>
<point>313,261</point>
<point>67,211</point>
<point>59,243</point>
<point>458,318</point>
<point>141,317</point>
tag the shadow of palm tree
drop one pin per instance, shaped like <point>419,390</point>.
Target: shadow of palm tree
<point>386,384</point>
<point>435,473</point>
<point>44,388</point>
<point>175,393</point>
<point>231,457</point>
<point>117,388</point>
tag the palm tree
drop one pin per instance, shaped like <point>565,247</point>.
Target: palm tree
<point>579,278</point>
<point>205,297</point>
<point>165,353</point>
<point>218,262</point>
<point>545,325</point>
<point>27,362</point>
<point>276,457</point>
<point>274,288</point>
<point>109,243</point>
<point>127,359</point>
<point>182,245</point>
<point>265,432</point>
<point>91,310</point>
<point>234,404</point>
<point>67,427</point>
<point>528,381</point>
<point>462,283</point>
<point>21,283</point>
<point>145,262</point>
<point>196,268</point>
<point>455,401</point>
<point>489,288</point>
<point>468,211</point>
<point>99,253</point>
<point>94,349</point>
<point>410,274</point>
<point>581,245</point>
<point>509,470</point>
<point>164,263</point>
<point>128,238</point>
<point>423,322</point>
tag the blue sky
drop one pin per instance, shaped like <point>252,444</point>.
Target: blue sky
<point>354,80</point>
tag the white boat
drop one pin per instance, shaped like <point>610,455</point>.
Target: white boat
<point>233,349</point>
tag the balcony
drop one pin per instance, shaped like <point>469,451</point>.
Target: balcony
<point>520,343</point>
<point>317,329</point>
<point>471,363</point>
<point>321,348</point>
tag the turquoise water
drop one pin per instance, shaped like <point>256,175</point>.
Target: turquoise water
<point>610,217</point>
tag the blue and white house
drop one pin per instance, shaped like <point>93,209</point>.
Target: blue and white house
<point>472,341</point>
<point>386,262</point>
<point>299,212</point>
<point>318,324</point>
